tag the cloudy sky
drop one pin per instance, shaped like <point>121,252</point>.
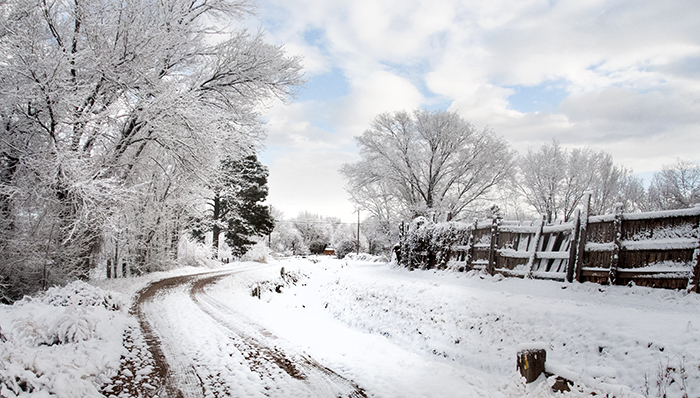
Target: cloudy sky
<point>618,75</point>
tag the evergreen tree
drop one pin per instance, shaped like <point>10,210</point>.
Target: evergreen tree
<point>236,204</point>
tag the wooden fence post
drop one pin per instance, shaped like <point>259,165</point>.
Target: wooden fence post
<point>470,249</point>
<point>536,244</point>
<point>617,236</point>
<point>531,363</point>
<point>582,236</point>
<point>491,269</point>
<point>573,247</point>
<point>694,280</point>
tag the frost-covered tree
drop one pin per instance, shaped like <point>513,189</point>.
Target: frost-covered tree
<point>345,240</point>
<point>615,184</point>
<point>676,186</point>
<point>316,231</point>
<point>553,180</point>
<point>380,235</point>
<point>108,110</point>
<point>425,162</point>
<point>285,238</point>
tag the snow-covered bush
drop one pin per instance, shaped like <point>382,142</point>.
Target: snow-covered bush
<point>80,308</point>
<point>81,294</point>
<point>66,342</point>
<point>260,253</point>
<point>427,245</point>
<point>415,244</point>
<point>286,279</point>
<point>445,236</point>
<point>192,254</point>
<point>366,257</point>
<point>345,247</point>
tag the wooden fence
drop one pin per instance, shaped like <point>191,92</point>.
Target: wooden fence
<point>657,249</point>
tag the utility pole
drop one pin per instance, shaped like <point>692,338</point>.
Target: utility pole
<point>358,231</point>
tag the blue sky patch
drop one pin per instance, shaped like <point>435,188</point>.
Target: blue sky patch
<point>326,87</point>
<point>315,37</point>
<point>545,97</point>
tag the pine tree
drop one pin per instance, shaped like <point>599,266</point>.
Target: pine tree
<point>236,204</point>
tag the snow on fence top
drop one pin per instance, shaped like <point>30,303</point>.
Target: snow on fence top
<point>637,249</point>
<point>693,211</point>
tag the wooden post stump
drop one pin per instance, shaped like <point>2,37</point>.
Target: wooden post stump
<point>531,363</point>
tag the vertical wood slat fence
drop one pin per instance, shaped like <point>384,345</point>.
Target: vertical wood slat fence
<point>656,249</point>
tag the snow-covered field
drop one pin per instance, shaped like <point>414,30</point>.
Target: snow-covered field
<point>392,332</point>
<point>426,333</point>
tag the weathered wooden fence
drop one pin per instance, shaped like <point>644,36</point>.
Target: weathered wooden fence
<point>657,249</point>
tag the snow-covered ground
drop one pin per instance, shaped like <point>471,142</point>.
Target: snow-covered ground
<point>426,333</point>
<point>394,333</point>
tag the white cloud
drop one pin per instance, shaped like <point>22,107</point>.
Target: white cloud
<point>306,180</point>
<point>375,93</point>
<point>630,68</point>
<point>288,125</point>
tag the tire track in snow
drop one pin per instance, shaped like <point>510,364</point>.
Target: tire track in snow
<point>163,370</point>
<point>259,345</point>
<point>264,353</point>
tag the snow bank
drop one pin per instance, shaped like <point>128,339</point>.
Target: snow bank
<point>366,257</point>
<point>66,342</point>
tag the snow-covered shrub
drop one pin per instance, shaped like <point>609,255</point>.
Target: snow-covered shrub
<point>66,342</point>
<point>81,307</point>
<point>260,253</point>
<point>192,254</point>
<point>59,326</point>
<point>445,236</point>
<point>345,247</point>
<point>427,245</point>
<point>81,294</point>
<point>75,325</point>
<point>286,279</point>
<point>366,257</point>
<point>415,245</point>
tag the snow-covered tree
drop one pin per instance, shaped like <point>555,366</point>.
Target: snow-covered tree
<point>676,186</point>
<point>106,108</point>
<point>425,162</point>
<point>553,180</point>
<point>345,240</point>
<point>380,235</point>
<point>285,238</point>
<point>316,231</point>
<point>615,184</point>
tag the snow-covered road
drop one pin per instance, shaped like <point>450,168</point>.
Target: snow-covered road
<point>205,348</point>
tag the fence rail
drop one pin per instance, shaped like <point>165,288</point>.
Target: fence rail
<point>656,249</point>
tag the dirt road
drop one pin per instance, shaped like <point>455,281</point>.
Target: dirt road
<point>201,347</point>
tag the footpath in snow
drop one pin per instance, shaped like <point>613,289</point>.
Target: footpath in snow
<point>394,333</point>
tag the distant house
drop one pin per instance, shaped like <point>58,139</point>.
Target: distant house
<point>329,251</point>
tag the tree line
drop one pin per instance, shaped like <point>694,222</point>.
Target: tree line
<point>437,165</point>
<point>310,233</point>
<point>115,117</point>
